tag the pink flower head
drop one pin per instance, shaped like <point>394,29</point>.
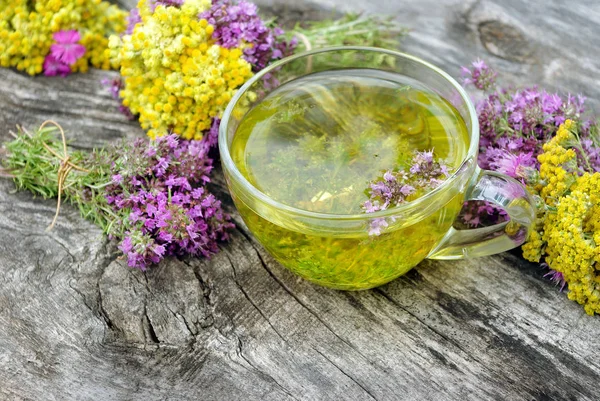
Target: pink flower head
<point>513,165</point>
<point>53,67</point>
<point>66,48</point>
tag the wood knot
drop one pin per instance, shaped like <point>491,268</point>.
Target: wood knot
<point>505,41</point>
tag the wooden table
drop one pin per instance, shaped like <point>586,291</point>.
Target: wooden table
<point>77,324</point>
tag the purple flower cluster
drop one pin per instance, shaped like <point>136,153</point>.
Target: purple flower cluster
<point>211,137</point>
<point>520,121</point>
<point>239,23</point>
<point>394,188</point>
<point>482,76</point>
<point>63,54</point>
<point>514,125</point>
<point>475,213</point>
<point>158,193</point>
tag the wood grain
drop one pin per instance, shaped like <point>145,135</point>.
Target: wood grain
<point>77,324</point>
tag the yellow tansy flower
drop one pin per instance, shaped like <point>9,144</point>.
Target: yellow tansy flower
<point>183,77</point>
<point>567,231</point>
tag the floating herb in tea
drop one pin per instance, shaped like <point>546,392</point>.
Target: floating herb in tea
<point>396,187</point>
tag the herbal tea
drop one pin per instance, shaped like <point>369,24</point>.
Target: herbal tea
<point>316,143</point>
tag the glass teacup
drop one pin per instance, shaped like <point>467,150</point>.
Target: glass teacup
<point>336,250</point>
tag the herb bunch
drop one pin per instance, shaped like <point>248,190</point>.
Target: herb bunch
<point>150,196</point>
<point>567,232</point>
<point>58,36</point>
<point>182,61</point>
<point>158,191</point>
<point>516,122</point>
<point>32,165</point>
<point>514,125</point>
<point>546,141</point>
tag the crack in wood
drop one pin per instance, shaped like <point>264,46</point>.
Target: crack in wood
<point>189,326</point>
<point>151,331</point>
<point>420,320</point>
<point>366,390</point>
<point>206,290</point>
<point>240,353</point>
<point>102,311</point>
<point>245,293</point>
<point>179,317</point>
<point>296,298</point>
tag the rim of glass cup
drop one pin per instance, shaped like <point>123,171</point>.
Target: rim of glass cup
<point>403,208</point>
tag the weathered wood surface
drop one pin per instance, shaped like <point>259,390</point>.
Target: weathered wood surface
<point>77,324</point>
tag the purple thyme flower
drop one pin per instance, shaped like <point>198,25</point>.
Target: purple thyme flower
<point>482,76</point>
<point>117,179</point>
<point>592,152</point>
<point>376,225</point>
<point>158,192</point>
<point>126,246</point>
<point>211,138</point>
<point>114,86</point>
<point>239,23</point>
<point>396,187</point>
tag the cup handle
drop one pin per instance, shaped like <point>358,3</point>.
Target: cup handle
<point>502,191</point>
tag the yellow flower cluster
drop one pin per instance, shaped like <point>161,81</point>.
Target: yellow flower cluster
<point>567,233</point>
<point>176,78</point>
<point>26,29</point>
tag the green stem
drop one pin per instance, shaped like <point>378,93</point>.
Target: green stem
<point>100,186</point>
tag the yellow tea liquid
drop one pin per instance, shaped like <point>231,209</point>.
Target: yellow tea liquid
<point>317,142</point>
